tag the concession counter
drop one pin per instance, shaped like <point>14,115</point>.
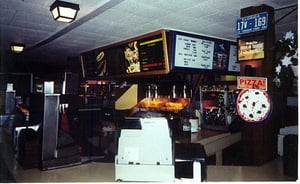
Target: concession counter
<point>149,147</point>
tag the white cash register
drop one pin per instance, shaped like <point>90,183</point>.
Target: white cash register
<point>145,151</point>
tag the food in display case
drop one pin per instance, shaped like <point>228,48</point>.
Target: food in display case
<point>164,104</point>
<point>217,107</point>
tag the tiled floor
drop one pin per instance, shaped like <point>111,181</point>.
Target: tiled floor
<point>104,172</point>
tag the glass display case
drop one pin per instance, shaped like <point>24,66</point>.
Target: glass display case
<point>217,107</point>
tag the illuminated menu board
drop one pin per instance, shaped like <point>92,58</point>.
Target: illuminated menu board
<point>151,54</point>
<point>196,52</point>
<point>193,52</point>
<point>144,55</point>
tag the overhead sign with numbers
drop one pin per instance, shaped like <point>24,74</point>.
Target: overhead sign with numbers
<point>252,23</point>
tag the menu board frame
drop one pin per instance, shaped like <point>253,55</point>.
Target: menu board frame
<point>194,53</point>
<point>113,61</point>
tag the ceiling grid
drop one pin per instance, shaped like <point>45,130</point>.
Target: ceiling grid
<point>101,22</point>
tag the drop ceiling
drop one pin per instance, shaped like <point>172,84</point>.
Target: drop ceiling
<point>102,22</point>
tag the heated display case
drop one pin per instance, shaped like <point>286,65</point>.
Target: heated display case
<point>217,107</point>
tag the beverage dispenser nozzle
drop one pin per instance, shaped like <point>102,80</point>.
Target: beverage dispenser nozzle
<point>155,92</point>
<point>184,91</point>
<point>174,91</point>
<point>148,93</point>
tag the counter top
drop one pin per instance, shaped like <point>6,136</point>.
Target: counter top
<point>205,136</point>
<point>215,141</point>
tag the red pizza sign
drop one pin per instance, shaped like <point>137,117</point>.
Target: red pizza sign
<point>252,83</point>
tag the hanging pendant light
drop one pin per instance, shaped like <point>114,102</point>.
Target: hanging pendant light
<point>17,47</point>
<point>64,11</point>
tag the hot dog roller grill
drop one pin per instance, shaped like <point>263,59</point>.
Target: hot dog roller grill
<point>145,151</point>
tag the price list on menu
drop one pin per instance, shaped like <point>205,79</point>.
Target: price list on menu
<point>193,52</point>
<point>152,54</point>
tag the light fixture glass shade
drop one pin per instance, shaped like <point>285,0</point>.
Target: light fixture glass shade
<point>64,11</point>
<point>17,48</point>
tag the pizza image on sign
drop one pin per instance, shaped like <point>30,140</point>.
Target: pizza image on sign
<point>253,105</point>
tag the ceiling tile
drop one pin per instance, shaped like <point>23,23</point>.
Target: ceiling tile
<point>30,21</point>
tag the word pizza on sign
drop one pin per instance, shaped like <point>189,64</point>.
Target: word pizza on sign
<point>252,83</point>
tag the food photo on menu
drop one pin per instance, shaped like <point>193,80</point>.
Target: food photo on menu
<point>220,56</point>
<point>251,48</point>
<point>101,64</point>
<point>131,53</point>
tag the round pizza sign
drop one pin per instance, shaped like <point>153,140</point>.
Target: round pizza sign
<point>253,105</point>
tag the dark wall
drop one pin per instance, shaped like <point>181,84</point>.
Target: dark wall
<point>25,63</point>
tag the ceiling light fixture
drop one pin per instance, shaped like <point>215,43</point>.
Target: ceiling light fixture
<point>64,11</point>
<point>17,48</point>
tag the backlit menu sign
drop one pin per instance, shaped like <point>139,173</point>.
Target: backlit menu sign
<point>193,52</point>
<point>143,55</point>
<point>204,53</point>
<point>151,54</point>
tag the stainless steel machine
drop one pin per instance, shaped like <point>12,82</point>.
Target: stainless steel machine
<point>145,151</point>
<point>58,149</point>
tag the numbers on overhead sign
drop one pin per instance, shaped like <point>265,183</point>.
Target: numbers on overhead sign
<point>252,23</point>
<point>260,21</point>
